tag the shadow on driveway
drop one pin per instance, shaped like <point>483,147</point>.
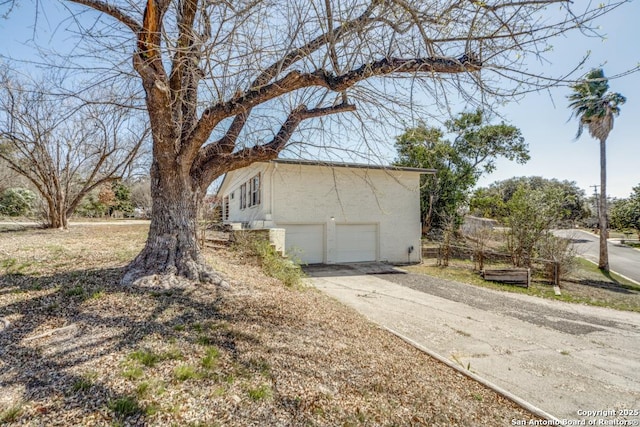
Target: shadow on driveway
<point>351,269</point>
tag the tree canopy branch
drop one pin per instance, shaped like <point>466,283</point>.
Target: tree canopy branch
<point>304,51</point>
<point>321,78</point>
<point>184,65</point>
<point>114,12</point>
<point>216,164</point>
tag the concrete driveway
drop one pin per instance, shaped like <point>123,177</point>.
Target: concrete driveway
<point>562,358</point>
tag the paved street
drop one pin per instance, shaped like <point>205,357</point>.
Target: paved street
<point>622,259</point>
<point>562,358</point>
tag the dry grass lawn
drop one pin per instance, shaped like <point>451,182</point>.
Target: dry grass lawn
<point>78,349</point>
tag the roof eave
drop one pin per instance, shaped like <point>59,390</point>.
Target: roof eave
<point>352,165</point>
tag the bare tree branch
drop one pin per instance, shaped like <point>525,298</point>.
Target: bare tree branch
<point>64,159</point>
<point>321,78</point>
<point>185,71</point>
<point>114,12</point>
<point>210,166</point>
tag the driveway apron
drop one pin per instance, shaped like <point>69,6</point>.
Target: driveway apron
<point>575,362</point>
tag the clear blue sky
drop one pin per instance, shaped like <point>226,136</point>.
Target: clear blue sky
<point>543,118</point>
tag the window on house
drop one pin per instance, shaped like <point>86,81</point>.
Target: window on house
<point>254,191</point>
<point>243,196</point>
<point>225,208</point>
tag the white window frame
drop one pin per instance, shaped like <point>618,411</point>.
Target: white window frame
<point>225,208</point>
<point>254,190</point>
<point>243,196</point>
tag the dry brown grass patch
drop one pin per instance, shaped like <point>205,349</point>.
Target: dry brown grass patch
<point>78,349</point>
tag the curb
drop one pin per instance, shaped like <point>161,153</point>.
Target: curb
<point>611,241</point>
<point>504,393</point>
<point>612,271</point>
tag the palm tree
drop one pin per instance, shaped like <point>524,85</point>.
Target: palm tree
<point>595,108</point>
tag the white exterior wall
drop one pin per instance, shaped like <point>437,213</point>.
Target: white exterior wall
<point>277,238</point>
<point>311,194</point>
<point>257,216</point>
<point>329,198</point>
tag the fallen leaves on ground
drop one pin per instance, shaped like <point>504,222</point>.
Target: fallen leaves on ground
<point>76,348</point>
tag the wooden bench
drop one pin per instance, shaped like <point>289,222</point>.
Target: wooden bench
<point>430,252</point>
<point>519,277</point>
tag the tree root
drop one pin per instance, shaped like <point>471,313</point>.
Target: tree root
<point>143,273</point>
<point>170,281</point>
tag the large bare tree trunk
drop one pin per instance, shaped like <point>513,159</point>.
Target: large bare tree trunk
<point>603,261</point>
<point>57,216</point>
<point>172,249</point>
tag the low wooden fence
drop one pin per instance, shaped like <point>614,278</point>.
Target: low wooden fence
<point>494,265</point>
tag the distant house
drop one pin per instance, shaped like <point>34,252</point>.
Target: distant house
<point>331,212</point>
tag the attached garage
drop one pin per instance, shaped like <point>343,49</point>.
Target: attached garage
<point>341,243</point>
<point>356,242</point>
<point>328,212</point>
<point>305,242</point>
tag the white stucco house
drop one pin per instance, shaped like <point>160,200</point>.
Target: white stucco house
<point>331,212</point>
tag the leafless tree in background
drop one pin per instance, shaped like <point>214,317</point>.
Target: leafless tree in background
<point>65,147</point>
<point>9,178</point>
<point>228,83</point>
<point>141,195</point>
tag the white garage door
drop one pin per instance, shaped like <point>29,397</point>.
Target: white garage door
<point>305,242</point>
<point>356,242</point>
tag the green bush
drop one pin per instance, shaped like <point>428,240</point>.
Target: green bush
<point>16,202</point>
<point>91,207</point>
<point>274,265</point>
<point>122,203</point>
<point>558,250</point>
<point>111,200</point>
<point>257,246</point>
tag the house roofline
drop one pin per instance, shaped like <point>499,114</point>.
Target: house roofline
<point>339,165</point>
<point>351,165</point>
